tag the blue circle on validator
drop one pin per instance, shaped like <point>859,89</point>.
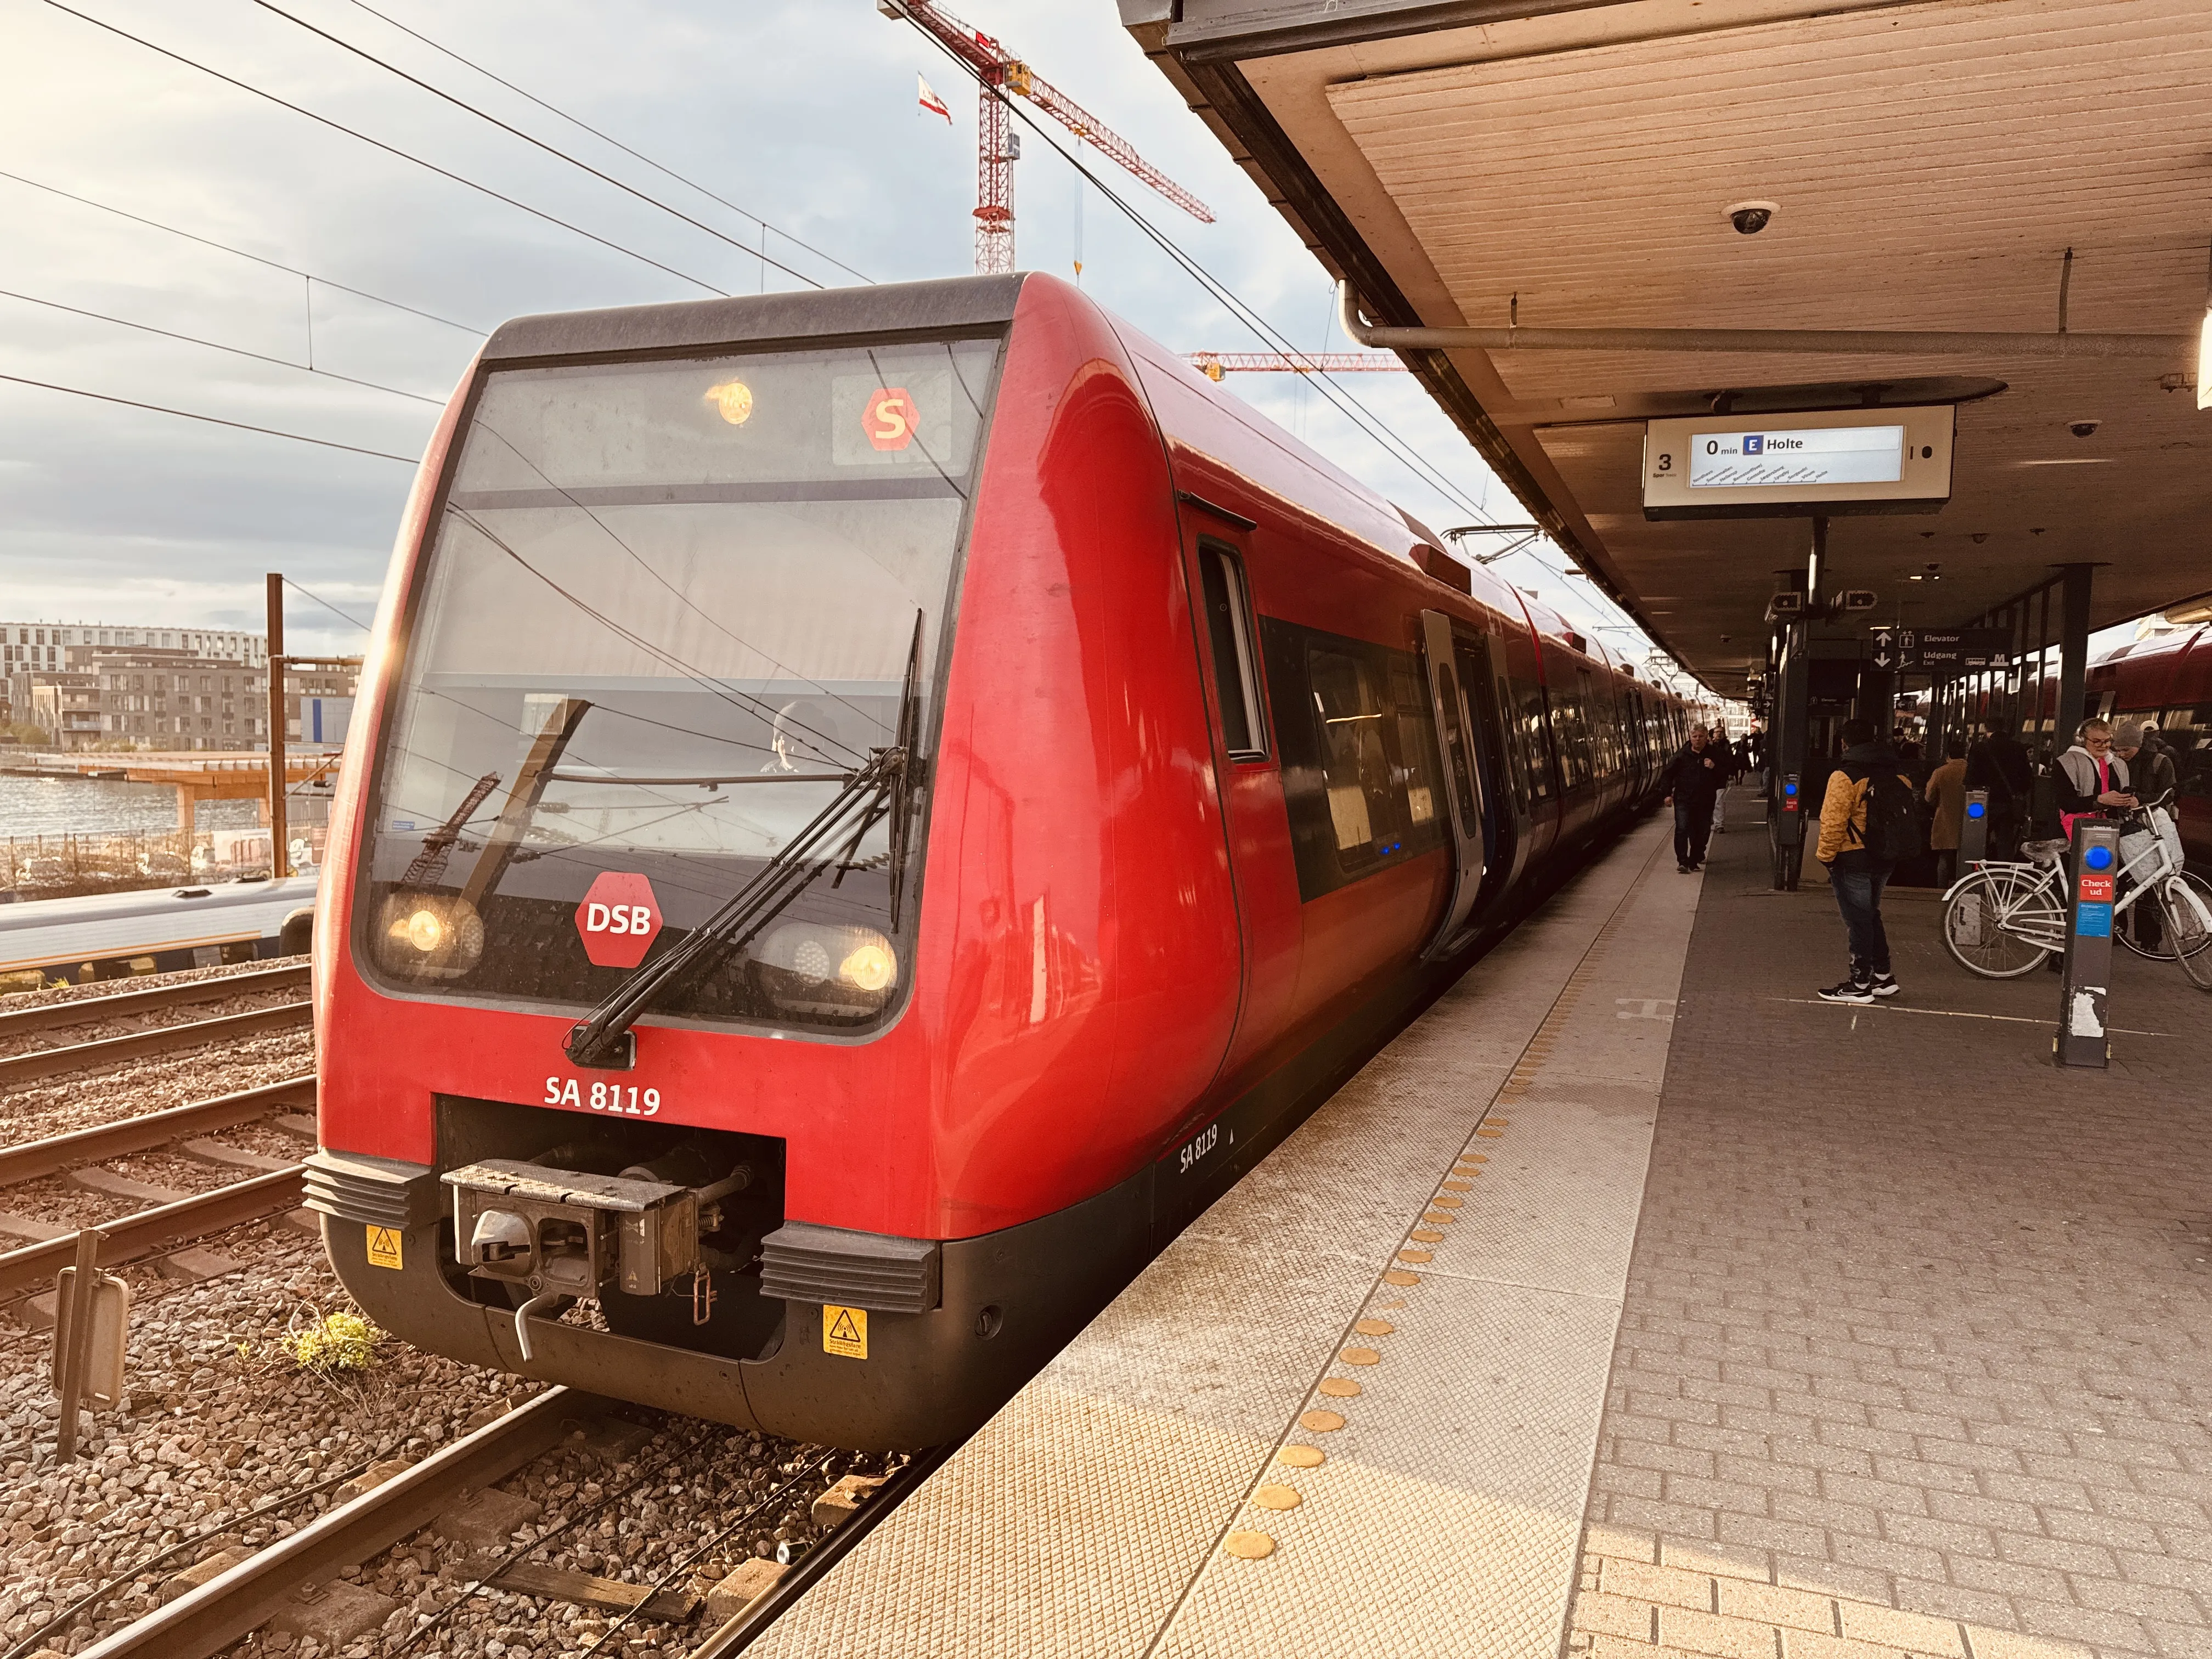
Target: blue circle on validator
<point>1975,809</point>
<point>2097,858</point>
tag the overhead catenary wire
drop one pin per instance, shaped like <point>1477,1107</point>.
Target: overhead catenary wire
<point>1346,403</point>
<point>1366,418</point>
<point>217,345</point>
<point>389,149</point>
<point>259,259</point>
<point>608,138</point>
<point>211,420</point>
<point>461,103</point>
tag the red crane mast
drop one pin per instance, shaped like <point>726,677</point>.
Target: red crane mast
<point>1002,74</point>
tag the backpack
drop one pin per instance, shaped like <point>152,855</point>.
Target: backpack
<point>1892,819</point>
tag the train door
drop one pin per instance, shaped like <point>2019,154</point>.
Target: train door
<point>1463,795</point>
<point>1263,869</point>
<point>1484,688</point>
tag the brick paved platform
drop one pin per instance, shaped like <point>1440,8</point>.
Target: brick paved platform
<point>1914,1354</point>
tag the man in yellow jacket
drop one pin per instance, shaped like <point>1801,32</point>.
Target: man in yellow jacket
<point>1855,872</point>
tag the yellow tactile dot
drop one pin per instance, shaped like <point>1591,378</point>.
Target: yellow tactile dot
<point>1448,1201</point>
<point>1438,1218</point>
<point>1302,1457</point>
<point>1489,1133</point>
<point>1374,1327</point>
<point>1475,1158</point>
<point>1339,1388</point>
<point>1463,1182</point>
<point>1400,1276</point>
<point>1322,1422</point>
<point>1249,1546</point>
<point>1360,1357</point>
<point>1276,1497</point>
<point>1427,1234</point>
<point>1414,1255</point>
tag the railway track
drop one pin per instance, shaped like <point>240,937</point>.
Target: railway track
<point>113,1004</point>
<point>162,1040</point>
<point>267,1191</point>
<point>208,1620</point>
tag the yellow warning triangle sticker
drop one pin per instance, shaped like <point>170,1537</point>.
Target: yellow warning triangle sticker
<point>844,1331</point>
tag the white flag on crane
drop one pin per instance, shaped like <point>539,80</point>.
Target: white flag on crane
<point>930,101</point>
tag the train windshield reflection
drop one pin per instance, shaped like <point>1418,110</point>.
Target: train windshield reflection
<point>668,612</point>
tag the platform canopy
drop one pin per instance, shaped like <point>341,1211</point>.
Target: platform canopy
<point>1565,166</point>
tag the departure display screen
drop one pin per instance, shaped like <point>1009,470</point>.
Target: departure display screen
<point>1809,456</point>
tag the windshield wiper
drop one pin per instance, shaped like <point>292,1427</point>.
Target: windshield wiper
<point>529,780</point>
<point>883,785</point>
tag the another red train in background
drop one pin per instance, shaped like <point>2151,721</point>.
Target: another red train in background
<point>869,809</point>
<point>2168,678</point>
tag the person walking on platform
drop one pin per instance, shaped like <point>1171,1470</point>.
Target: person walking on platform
<point>1692,779</point>
<point>1999,765</point>
<point>1947,794</point>
<point>1724,753</point>
<point>1870,823</point>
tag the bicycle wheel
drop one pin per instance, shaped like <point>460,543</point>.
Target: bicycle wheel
<point>2189,925</point>
<point>2142,928</point>
<point>2001,923</point>
<point>2202,889</point>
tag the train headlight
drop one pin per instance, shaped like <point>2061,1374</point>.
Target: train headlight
<point>429,935</point>
<point>820,969</point>
<point>871,966</point>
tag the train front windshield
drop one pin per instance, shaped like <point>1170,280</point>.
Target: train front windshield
<point>669,609</point>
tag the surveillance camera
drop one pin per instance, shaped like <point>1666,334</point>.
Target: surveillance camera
<point>1751,217</point>
<point>2082,428</point>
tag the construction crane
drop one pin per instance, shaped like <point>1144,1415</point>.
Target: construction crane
<point>1215,364</point>
<point>1001,73</point>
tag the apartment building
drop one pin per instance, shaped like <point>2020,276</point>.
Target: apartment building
<point>166,688</point>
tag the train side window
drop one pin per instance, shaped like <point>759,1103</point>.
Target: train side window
<point>1416,744</point>
<point>1355,763</point>
<point>1530,732</point>
<point>1235,669</point>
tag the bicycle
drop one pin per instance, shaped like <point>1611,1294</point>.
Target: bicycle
<point>2004,918</point>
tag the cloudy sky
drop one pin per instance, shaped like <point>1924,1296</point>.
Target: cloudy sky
<point>802,111</point>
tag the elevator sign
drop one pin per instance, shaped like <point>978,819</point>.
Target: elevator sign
<point>618,919</point>
<point>1848,460</point>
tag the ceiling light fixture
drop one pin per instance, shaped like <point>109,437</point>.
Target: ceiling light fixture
<point>2204,342</point>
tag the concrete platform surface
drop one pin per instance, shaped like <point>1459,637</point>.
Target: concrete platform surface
<point>1915,1351</point>
<point>1354,1409</point>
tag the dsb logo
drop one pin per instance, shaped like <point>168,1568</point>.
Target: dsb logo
<point>618,919</point>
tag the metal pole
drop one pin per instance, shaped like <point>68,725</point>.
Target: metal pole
<point>73,1306</point>
<point>2072,650</point>
<point>2094,859</point>
<point>280,864</point>
<point>2042,660</point>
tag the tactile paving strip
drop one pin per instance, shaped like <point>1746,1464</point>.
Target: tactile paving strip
<point>1096,1515</point>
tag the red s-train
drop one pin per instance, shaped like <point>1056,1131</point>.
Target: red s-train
<point>870,809</point>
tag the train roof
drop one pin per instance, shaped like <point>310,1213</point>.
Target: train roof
<point>949,304</point>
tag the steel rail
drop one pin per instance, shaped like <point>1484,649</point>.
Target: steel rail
<point>80,1056</point>
<point>114,1004</point>
<point>747,1627</point>
<point>134,1238</point>
<point>206,1621</point>
<point>55,1154</point>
